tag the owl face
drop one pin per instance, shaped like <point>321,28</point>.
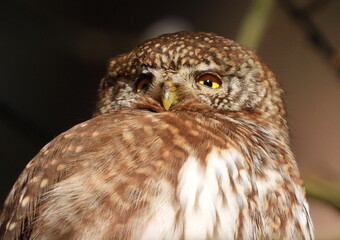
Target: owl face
<point>181,68</point>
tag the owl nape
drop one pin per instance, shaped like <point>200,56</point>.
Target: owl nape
<point>188,141</point>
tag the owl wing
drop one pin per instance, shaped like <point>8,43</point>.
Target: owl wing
<point>57,161</point>
<point>108,167</point>
<point>47,168</point>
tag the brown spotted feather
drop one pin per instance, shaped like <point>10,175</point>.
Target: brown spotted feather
<point>216,165</point>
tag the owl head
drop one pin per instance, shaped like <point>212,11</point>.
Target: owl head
<point>190,69</point>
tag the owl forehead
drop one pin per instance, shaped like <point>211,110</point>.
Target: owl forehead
<point>180,50</point>
<point>177,50</point>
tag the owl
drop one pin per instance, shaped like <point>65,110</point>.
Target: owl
<point>188,141</point>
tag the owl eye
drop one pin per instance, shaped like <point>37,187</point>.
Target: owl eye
<point>209,80</point>
<point>143,83</point>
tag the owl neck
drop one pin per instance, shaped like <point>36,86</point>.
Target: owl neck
<point>274,126</point>
<point>270,134</point>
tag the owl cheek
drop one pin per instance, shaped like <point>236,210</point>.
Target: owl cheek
<point>205,100</point>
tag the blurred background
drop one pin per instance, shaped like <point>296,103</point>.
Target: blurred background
<point>53,54</point>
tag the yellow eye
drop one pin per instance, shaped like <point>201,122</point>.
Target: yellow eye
<point>209,80</point>
<point>143,83</point>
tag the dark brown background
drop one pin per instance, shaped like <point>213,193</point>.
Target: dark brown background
<point>53,54</point>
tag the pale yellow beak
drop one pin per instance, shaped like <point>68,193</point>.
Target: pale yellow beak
<point>169,94</point>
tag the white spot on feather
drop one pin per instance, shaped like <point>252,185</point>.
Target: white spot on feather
<point>60,167</point>
<point>25,201</point>
<point>12,226</point>
<point>67,135</point>
<point>95,134</point>
<point>79,149</point>
<point>44,182</point>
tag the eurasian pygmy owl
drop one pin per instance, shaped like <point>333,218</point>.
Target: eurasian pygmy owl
<point>189,141</point>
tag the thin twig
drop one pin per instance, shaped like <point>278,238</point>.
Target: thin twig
<point>323,189</point>
<point>254,23</point>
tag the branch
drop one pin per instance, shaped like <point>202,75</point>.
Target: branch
<point>324,190</point>
<point>254,23</point>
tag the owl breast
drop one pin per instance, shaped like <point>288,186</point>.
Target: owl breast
<point>208,201</point>
<point>216,199</point>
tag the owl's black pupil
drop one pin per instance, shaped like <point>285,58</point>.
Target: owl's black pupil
<point>208,82</point>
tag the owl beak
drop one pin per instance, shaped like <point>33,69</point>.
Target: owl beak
<point>169,94</point>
